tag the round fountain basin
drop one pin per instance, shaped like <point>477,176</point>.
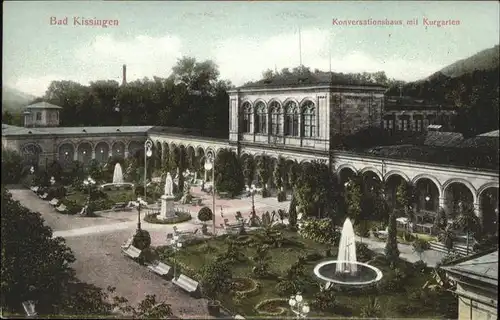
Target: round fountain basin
<point>364,276</point>
<point>117,185</point>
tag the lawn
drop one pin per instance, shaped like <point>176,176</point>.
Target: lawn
<point>350,302</point>
<point>113,196</point>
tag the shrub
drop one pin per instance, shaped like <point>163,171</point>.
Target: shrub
<point>142,239</point>
<point>363,254</point>
<point>420,245</point>
<point>56,191</point>
<point>285,288</point>
<point>315,256</point>
<point>320,230</point>
<point>266,193</point>
<point>362,229</point>
<point>324,300</point>
<point>406,236</point>
<point>281,196</point>
<point>11,166</point>
<point>261,260</point>
<point>71,207</point>
<point>216,278</point>
<point>420,266</point>
<point>372,309</point>
<point>180,216</point>
<point>205,214</point>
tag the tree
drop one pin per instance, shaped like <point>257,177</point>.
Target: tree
<point>419,246</point>
<point>205,214</point>
<point>441,221</point>
<point>404,200</point>
<point>391,247</point>
<point>248,170</point>
<point>468,221</point>
<point>293,173</point>
<point>353,198</point>
<point>292,212</point>
<point>31,258</point>
<point>228,173</point>
<point>280,177</point>
<point>11,166</point>
<point>264,172</point>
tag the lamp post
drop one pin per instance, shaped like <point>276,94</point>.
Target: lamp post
<point>140,202</point>
<point>176,245</point>
<point>299,306</point>
<point>89,182</point>
<point>210,165</point>
<point>148,152</point>
<point>252,190</point>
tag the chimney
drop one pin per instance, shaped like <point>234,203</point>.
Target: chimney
<point>124,75</point>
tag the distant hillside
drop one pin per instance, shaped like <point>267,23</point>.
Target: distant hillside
<point>483,60</point>
<point>14,100</point>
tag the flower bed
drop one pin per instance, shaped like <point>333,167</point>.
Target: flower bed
<point>245,286</point>
<point>272,307</point>
<point>180,217</point>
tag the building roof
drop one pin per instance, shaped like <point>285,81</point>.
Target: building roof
<point>407,102</point>
<point>482,267</point>
<point>447,156</point>
<point>443,139</point>
<point>491,134</point>
<point>307,79</point>
<point>42,105</point>
<point>13,131</point>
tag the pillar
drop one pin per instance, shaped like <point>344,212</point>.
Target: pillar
<point>477,211</point>
<point>163,153</point>
<point>93,154</point>
<point>205,175</point>
<point>442,203</point>
<point>75,155</point>
<point>125,153</point>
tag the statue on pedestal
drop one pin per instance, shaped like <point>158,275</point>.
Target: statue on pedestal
<point>169,186</point>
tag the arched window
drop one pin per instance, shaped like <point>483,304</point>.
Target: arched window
<point>260,118</point>
<point>247,117</point>
<point>276,120</point>
<point>291,119</point>
<point>309,119</point>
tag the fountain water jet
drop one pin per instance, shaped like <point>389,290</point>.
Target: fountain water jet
<point>118,178</point>
<point>346,270</point>
<point>118,174</point>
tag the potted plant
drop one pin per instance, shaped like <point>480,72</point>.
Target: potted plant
<point>216,279</point>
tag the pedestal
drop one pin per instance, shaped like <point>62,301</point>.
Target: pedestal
<point>167,211</point>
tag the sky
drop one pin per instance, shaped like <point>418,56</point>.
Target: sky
<point>243,38</point>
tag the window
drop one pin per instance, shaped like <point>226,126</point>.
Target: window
<point>419,124</point>
<point>308,119</point>
<point>260,118</point>
<point>405,124</point>
<point>247,117</point>
<point>291,119</point>
<point>38,116</point>
<point>276,120</point>
<point>389,124</point>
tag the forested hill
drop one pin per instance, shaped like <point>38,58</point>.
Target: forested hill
<point>14,100</point>
<point>470,84</point>
<point>484,60</point>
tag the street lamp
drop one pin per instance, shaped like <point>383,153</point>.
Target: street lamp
<point>209,165</point>
<point>148,152</point>
<point>139,203</point>
<point>299,306</point>
<point>176,245</point>
<point>89,182</point>
<point>252,190</point>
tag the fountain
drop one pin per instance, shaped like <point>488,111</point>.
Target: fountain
<point>346,270</point>
<point>118,178</point>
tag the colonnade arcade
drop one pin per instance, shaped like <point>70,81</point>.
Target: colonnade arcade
<point>430,195</point>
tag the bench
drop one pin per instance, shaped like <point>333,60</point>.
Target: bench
<point>44,196</point>
<point>127,243</point>
<point>61,208</point>
<point>54,202</point>
<point>132,252</point>
<point>161,269</point>
<point>35,189</point>
<point>119,206</point>
<point>187,284</point>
